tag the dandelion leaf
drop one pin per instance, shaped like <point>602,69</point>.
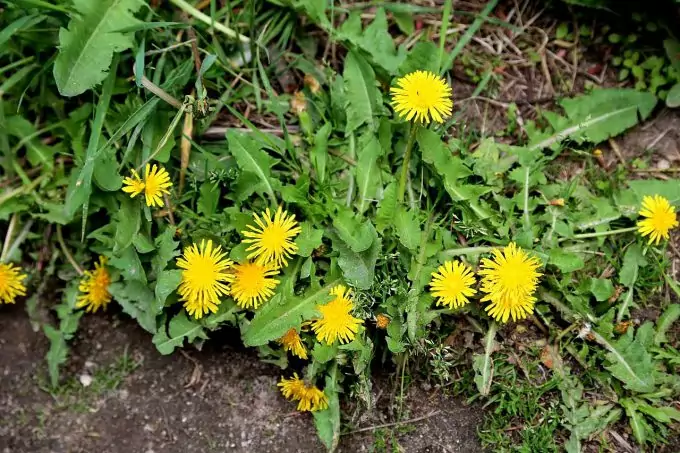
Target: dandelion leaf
<point>629,360</point>
<point>86,48</point>
<point>179,329</point>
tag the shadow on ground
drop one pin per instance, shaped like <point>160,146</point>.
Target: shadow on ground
<point>219,399</point>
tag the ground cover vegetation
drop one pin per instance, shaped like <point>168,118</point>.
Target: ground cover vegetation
<point>298,170</point>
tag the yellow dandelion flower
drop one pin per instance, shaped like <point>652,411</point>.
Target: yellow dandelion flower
<point>95,288</point>
<point>510,280</point>
<point>382,321</point>
<point>660,218</point>
<point>133,184</point>
<point>252,284</point>
<point>272,240</point>
<point>452,284</point>
<point>11,284</point>
<point>309,397</point>
<point>292,342</point>
<point>204,278</point>
<point>421,95</point>
<point>336,321</point>
<point>157,182</point>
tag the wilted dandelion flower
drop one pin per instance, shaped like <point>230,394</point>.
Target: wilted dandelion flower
<point>336,320</point>
<point>510,280</point>
<point>382,321</point>
<point>204,278</point>
<point>309,398</point>
<point>11,283</point>
<point>272,239</point>
<point>421,95</point>
<point>156,183</point>
<point>95,288</point>
<point>659,218</point>
<point>452,284</point>
<point>252,284</point>
<point>292,342</point>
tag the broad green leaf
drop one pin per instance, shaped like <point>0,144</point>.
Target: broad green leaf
<point>327,422</point>
<point>129,265</point>
<point>451,169</point>
<point>423,57</point>
<point>387,207</point>
<point>483,363</point>
<point>143,244</point>
<point>226,313</point>
<point>363,99</point>
<point>378,42</point>
<point>663,414</point>
<point>282,313</point>
<point>319,152</point>
<point>309,239</point>
<point>368,173</point>
<point>632,260</point>
<point>407,227</point>
<point>106,173</point>
<point>251,158</point>
<point>601,288</point>
<point>166,249</point>
<point>358,268</point>
<point>324,353</point>
<point>138,301</point>
<point>629,361</point>
<point>357,235</point>
<point>179,329</point>
<point>648,187</point>
<point>565,261</point>
<point>673,96</point>
<point>597,116</point>
<point>209,196</point>
<point>127,220</point>
<point>167,283</point>
<point>87,46</point>
<point>665,321</point>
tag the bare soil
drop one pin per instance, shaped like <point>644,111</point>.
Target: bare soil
<point>219,399</point>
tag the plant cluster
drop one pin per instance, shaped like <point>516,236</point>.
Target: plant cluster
<point>365,228</point>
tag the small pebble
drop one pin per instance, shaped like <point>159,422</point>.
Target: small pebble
<point>85,379</point>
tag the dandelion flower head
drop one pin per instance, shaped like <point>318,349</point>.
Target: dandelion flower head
<point>452,284</point>
<point>95,288</point>
<point>11,283</point>
<point>336,321</point>
<point>659,218</point>
<point>205,275</point>
<point>292,342</point>
<point>309,397</point>
<point>253,284</point>
<point>509,281</point>
<point>422,96</point>
<point>271,240</point>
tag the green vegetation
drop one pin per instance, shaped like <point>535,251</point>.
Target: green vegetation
<point>261,104</point>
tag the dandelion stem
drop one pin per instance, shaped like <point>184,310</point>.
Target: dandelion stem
<point>601,233</point>
<point>8,237</point>
<point>67,254</point>
<point>468,250</point>
<point>22,235</point>
<point>405,164</point>
<point>209,20</point>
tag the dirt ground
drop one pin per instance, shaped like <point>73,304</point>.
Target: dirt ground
<point>219,399</point>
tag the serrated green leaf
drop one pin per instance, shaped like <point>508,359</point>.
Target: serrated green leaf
<point>309,239</point>
<point>665,321</point>
<point>367,172</point>
<point>179,329</point>
<point>129,265</point>
<point>87,46</point>
<point>565,261</point>
<point>636,420</point>
<point>166,249</point>
<point>387,207</point>
<point>378,42</point>
<point>356,234</point>
<point>138,301</point>
<point>251,158</point>
<point>208,197</point>
<point>167,283</point>
<point>483,363</point>
<point>597,116</point>
<point>423,57</point>
<point>57,354</point>
<point>127,220</point>
<point>358,268</point>
<point>629,361</point>
<point>363,99</point>
<point>407,227</point>
<point>319,152</point>
<point>451,168</point>
<point>327,422</point>
<point>282,313</point>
